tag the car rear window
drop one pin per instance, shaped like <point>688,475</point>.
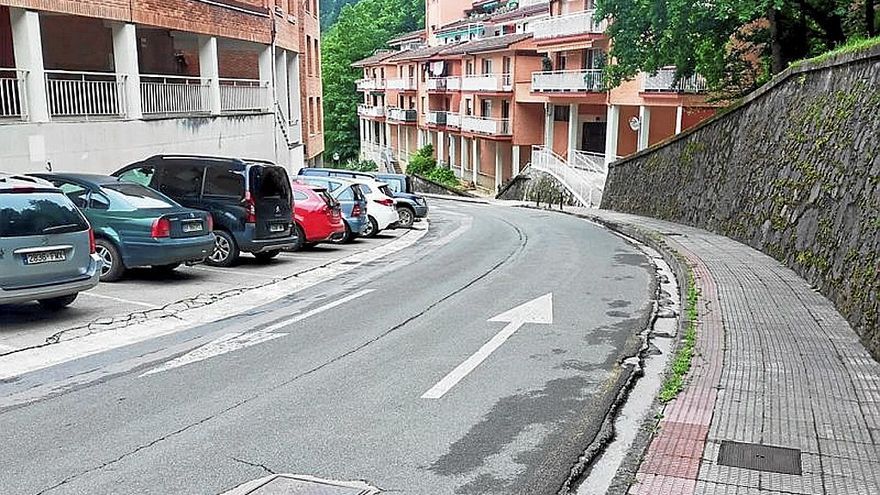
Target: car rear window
<point>221,182</point>
<point>358,193</point>
<point>38,213</point>
<point>386,191</point>
<point>137,196</point>
<point>270,183</point>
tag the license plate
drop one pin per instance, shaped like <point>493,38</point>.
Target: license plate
<point>192,227</point>
<point>277,227</point>
<point>44,257</point>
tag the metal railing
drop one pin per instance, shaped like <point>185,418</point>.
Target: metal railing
<point>402,84</point>
<point>591,80</point>
<point>487,82</point>
<point>588,161</point>
<point>486,125</point>
<point>174,95</point>
<point>585,185</point>
<point>243,95</point>
<point>401,115</point>
<point>12,94</point>
<point>664,81</point>
<point>85,94</point>
<point>371,111</point>
<point>573,24</point>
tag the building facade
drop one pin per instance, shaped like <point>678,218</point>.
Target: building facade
<point>91,85</point>
<point>495,85</point>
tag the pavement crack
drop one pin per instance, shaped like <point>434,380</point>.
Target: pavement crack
<point>253,464</point>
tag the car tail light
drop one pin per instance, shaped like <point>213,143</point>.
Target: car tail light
<point>92,247</point>
<point>250,208</point>
<point>356,211</point>
<point>385,201</point>
<point>161,228</point>
<point>210,222</point>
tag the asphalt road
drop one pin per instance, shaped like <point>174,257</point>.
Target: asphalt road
<point>331,381</point>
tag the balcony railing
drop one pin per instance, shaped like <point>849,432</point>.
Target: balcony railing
<point>664,82</point>
<point>174,95</point>
<point>588,161</point>
<point>453,120</point>
<point>85,94</point>
<point>590,80</point>
<point>12,94</point>
<point>401,115</point>
<point>577,23</point>
<point>370,84</point>
<point>243,95</point>
<point>436,118</point>
<point>402,84</point>
<point>486,125</point>
<point>486,82</point>
<point>452,83</point>
<point>370,111</point>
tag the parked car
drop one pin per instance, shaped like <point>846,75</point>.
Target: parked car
<point>47,247</point>
<point>134,225</point>
<point>411,207</point>
<point>381,210</point>
<point>250,200</point>
<point>317,215</point>
<point>351,200</point>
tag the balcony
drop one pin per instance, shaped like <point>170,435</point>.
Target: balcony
<point>371,112</point>
<point>585,80</point>
<point>400,115</point>
<point>244,95</point>
<point>402,84</point>
<point>370,84</point>
<point>664,82</point>
<point>485,125</point>
<point>436,118</point>
<point>441,84</point>
<point>174,95</point>
<point>12,92</point>
<point>487,82</point>
<point>574,24</point>
<point>453,120</point>
<point>85,94</point>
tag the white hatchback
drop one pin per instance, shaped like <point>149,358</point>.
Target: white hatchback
<point>381,211</point>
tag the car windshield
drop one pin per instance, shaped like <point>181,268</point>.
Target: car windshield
<point>136,196</point>
<point>38,213</point>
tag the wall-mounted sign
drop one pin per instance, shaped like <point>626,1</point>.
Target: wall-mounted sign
<point>635,123</point>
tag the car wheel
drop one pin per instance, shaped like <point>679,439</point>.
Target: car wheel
<point>372,228</point>
<point>346,236</point>
<point>57,303</point>
<point>300,238</point>
<point>266,256</point>
<point>166,268</point>
<point>111,267</point>
<point>407,217</point>
<point>225,250</point>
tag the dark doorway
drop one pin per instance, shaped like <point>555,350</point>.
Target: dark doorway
<point>593,138</point>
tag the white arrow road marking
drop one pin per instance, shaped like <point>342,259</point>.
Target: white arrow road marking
<point>235,341</point>
<point>538,310</point>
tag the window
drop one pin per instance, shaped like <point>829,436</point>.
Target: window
<point>346,195</point>
<point>38,213</point>
<point>320,119</point>
<point>182,179</point>
<point>309,54</point>
<point>98,201</point>
<point>74,192</point>
<point>365,189</point>
<point>141,175</point>
<point>468,106</point>
<point>485,108</point>
<point>317,57</point>
<point>220,182</point>
<point>424,105</point>
<point>560,113</point>
<point>311,115</point>
<point>487,66</point>
<point>136,196</point>
<point>269,183</point>
<point>300,196</point>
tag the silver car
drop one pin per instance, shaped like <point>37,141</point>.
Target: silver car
<point>47,248</point>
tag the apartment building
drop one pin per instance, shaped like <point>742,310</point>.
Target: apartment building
<point>91,85</point>
<point>495,85</point>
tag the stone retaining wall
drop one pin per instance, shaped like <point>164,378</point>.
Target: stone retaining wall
<point>793,170</point>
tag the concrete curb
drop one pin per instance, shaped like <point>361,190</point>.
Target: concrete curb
<point>463,199</point>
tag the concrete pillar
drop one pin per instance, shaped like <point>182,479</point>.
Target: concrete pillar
<point>209,70</point>
<point>441,148</point>
<point>572,131</point>
<point>281,94</point>
<point>399,145</point>
<point>516,152</point>
<point>475,166</point>
<point>464,156</point>
<point>644,126</point>
<point>679,116</point>
<point>499,173</point>
<point>549,111</point>
<point>125,59</point>
<point>612,126</point>
<point>27,44</point>
<point>452,141</point>
<point>295,97</point>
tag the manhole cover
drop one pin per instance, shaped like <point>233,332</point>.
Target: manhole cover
<point>760,457</point>
<point>288,484</point>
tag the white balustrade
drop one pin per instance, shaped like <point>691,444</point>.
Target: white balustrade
<point>586,185</point>
<point>85,94</point>
<point>436,118</point>
<point>486,125</point>
<point>371,111</point>
<point>12,94</point>
<point>665,81</point>
<point>370,84</point>
<point>401,115</point>
<point>589,161</point>
<point>174,95</point>
<point>452,83</point>
<point>402,84</point>
<point>243,95</point>
<point>568,81</point>
<point>486,82</point>
<point>576,23</point>
<point>453,120</point>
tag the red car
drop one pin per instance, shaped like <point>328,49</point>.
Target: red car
<point>317,216</point>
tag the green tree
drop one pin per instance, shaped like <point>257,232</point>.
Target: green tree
<point>360,30</point>
<point>735,44</point>
<point>330,11</point>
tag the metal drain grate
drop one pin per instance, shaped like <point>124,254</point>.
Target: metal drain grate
<point>760,457</point>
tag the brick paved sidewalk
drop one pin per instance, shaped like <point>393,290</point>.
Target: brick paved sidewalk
<point>776,365</point>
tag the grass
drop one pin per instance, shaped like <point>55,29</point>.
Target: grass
<point>852,46</point>
<point>681,364</point>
